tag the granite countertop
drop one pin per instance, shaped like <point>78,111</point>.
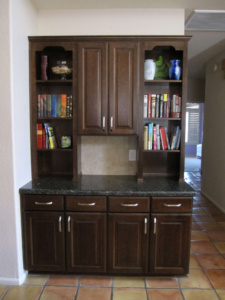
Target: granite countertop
<point>100,185</point>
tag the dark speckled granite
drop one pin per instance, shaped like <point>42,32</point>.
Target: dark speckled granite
<point>109,185</point>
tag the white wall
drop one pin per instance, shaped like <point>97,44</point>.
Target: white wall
<point>213,162</point>
<point>17,20</point>
<point>111,22</point>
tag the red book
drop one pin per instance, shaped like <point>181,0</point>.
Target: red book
<point>39,136</point>
<point>43,139</point>
<point>149,106</point>
<point>163,138</point>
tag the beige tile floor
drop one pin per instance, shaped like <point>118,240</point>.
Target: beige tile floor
<point>206,279</point>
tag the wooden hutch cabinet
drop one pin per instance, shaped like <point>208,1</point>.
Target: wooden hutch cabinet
<point>105,224</point>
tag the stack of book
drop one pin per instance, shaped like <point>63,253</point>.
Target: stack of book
<point>156,137</point>
<point>162,106</point>
<point>55,105</point>
<point>46,136</point>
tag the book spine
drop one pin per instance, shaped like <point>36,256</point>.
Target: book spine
<point>52,140</point>
<point>48,104</point>
<point>145,137</point>
<point>44,106</point>
<point>58,109</point>
<point>154,138</point>
<point>149,107</point>
<point>63,105</point>
<point>39,106</point>
<point>157,106</point>
<point>54,106</point>
<point>150,136</point>
<point>164,105</point>
<point>145,106</point>
<point>71,106</point>
<point>168,106</point>
<point>153,105</point>
<point>39,136</point>
<point>161,106</point>
<point>163,135</point>
<point>158,137</point>
<point>43,139</point>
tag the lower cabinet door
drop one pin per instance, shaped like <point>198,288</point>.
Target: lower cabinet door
<point>170,244</point>
<point>128,243</point>
<point>44,241</point>
<point>86,242</point>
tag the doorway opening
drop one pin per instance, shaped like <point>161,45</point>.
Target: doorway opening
<point>193,137</point>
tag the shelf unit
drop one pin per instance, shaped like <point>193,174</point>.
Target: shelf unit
<point>162,163</point>
<point>52,162</point>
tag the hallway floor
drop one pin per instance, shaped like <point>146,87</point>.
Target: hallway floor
<point>206,279</point>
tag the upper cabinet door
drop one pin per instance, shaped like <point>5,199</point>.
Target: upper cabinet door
<point>92,88</point>
<point>123,78</point>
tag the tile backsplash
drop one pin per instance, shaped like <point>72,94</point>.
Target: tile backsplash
<point>107,155</point>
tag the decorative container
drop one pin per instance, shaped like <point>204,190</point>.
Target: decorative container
<point>162,70</point>
<point>175,69</point>
<point>44,64</point>
<point>149,69</point>
<point>62,69</point>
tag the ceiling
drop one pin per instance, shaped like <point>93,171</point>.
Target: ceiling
<point>203,45</point>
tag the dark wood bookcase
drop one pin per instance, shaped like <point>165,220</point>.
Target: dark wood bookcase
<point>99,66</point>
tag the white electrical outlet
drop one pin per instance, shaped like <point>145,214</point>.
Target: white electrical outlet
<point>132,155</point>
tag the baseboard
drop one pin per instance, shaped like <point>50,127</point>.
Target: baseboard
<point>14,281</point>
<point>213,201</point>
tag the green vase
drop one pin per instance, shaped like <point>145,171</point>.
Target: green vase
<point>162,70</point>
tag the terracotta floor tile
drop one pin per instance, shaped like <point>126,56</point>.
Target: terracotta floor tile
<point>195,279</point>
<point>220,246</point>
<point>36,279</point>
<point>194,264</point>
<point>161,282</point>
<point>164,294</point>
<point>203,247</point>
<point>199,295</point>
<point>94,294</point>
<point>198,235</point>
<point>3,290</point>
<point>58,293</point>
<point>211,261</point>
<point>129,294</point>
<point>65,280</point>
<point>210,226</point>
<point>100,281</point>
<point>216,236</point>
<point>23,292</point>
<point>128,282</point>
<point>217,278</point>
<point>221,293</point>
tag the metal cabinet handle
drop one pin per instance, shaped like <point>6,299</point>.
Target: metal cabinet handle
<point>60,224</point>
<point>43,203</point>
<point>111,122</point>
<point>68,223</point>
<point>129,205</point>
<point>172,205</point>
<point>155,221</point>
<point>86,204</point>
<point>146,225</point>
<point>103,122</point>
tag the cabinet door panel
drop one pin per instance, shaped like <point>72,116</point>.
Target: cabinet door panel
<point>92,88</point>
<point>128,243</point>
<point>123,87</point>
<point>170,244</point>
<point>44,241</point>
<point>86,242</point>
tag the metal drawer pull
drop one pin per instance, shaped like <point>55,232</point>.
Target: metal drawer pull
<point>155,220</point>
<point>44,203</point>
<point>129,205</point>
<point>68,223</point>
<point>172,205</point>
<point>60,224</point>
<point>86,204</point>
<point>111,122</point>
<point>103,122</point>
<point>146,225</point>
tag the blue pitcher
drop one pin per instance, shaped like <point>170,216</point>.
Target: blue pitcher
<point>175,69</point>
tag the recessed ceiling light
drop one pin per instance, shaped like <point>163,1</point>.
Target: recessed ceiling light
<point>206,20</point>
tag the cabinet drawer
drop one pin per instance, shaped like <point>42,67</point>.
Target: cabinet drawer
<point>43,202</point>
<point>83,203</point>
<point>171,204</point>
<point>129,204</point>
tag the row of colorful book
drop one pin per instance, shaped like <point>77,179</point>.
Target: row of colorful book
<point>54,105</point>
<point>162,106</point>
<point>156,137</point>
<point>46,136</point>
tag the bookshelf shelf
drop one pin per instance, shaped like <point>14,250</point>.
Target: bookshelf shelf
<point>163,81</point>
<point>164,151</point>
<point>51,81</point>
